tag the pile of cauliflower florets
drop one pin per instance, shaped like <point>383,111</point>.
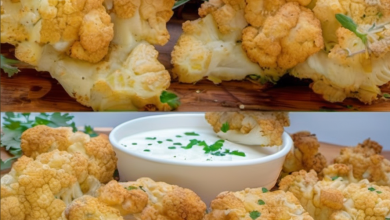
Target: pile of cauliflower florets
<point>65,175</point>
<point>264,39</point>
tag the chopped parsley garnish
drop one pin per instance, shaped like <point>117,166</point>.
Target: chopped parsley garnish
<point>237,153</point>
<point>349,24</point>
<point>149,144</point>
<point>178,136</point>
<point>387,218</point>
<point>170,98</point>
<point>177,143</point>
<point>147,150</point>
<point>371,189</point>
<point>172,147</point>
<point>386,95</point>
<point>169,140</point>
<point>254,214</point>
<point>191,134</point>
<point>379,192</point>
<point>151,138</point>
<point>264,190</point>
<point>131,187</point>
<point>225,127</point>
<point>142,188</point>
<point>134,143</point>
<point>217,145</point>
<point>260,202</point>
<point>192,143</point>
<point>160,142</point>
<point>335,178</point>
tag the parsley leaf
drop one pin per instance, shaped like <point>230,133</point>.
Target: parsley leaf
<point>170,98</point>
<point>237,153</point>
<point>131,187</point>
<point>260,202</point>
<point>191,134</point>
<point>6,65</point>
<point>217,145</point>
<point>349,24</point>
<point>386,95</point>
<point>6,164</point>
<point>179,3</point>
<point>335,178</point>
<point>254,214</point>
<point>264,190</point>
<point>89,130</point>
<point>191,144</point>
<point>371,189</point>
<point>225,127</point>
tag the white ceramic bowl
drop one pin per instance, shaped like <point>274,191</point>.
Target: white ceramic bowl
<point>207,179</point>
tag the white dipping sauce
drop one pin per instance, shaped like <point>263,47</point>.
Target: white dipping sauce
<point>169,143</point>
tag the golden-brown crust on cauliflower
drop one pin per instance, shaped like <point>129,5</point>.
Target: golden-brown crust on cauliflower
<point>127,201</point>
<point>41,139</point>
<point>271,205</point>
<point>271,123</point>
<point>168,201</point>
<point>285,39</point>
<point>305,154</point>
<point>366,162</point>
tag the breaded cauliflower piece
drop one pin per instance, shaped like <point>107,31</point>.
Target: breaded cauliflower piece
<point>168,201</point>
<point>366,162</point>
<point>113,201</point>
<point>252,128</point>
<point>304,155</point>
<point>285,39</point>
<point>41,188</point>
<point>100,153</point>
<point>364,64</point>
<point>83,29</point>
<point>256,203</point>
<point>210,46</point>
<point>337,198</point>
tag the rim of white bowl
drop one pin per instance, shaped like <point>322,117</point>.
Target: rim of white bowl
<point>285,147</point>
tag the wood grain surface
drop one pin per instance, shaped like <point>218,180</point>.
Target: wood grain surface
<point>32,91</point>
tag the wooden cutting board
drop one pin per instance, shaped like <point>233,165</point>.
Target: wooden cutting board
<point>30,91</point>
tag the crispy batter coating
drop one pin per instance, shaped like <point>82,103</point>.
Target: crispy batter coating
<point>168,201</point>
<point>269,125</point>
<point>278,205</point>
<point>285,39</point>
<point>41,139</point>
<point>338,197</point>
<point>366,162</point>
<point>305,154</point>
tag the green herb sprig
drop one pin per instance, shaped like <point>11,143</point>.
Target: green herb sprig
<point>349,24</point>
<point>7,65</point>
<point>225,127</point>
<point>171,99</point>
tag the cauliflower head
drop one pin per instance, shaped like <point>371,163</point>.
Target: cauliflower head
<point>366,162</point>
<point>100,153</point>
<point>123,72</point>
<point>167,201</point>
<point>256,203</point>
<point>81,29</point>
<point>252,128</point>
<point>351,65</point>
<point>42,188</point>
<point>210,46</point>
<point>338,197</point>
<point>304,155</point>
<point>284,39</point>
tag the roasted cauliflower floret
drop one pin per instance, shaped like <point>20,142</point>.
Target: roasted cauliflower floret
<point>256,203</point>
<point>101,55</point>
<point>361,57</point>
<point>304,155</point>
<point>89,207</point>
<point>253,128</point>
<point>366,162</point>
<point>41,188</point>
<point>168,201</point>
<point>337,197</point>
<point>128,200</point>
<point>83,29</point>
<point>210,46</point>
<point>285,39</point>
<point>100,153</point>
